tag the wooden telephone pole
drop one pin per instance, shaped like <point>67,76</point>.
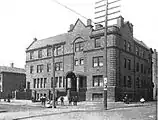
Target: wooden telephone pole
<point>106,10</point>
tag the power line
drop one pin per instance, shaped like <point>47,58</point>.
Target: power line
<point>71,9</point>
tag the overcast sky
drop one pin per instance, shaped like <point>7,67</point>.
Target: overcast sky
<point>23,20</point>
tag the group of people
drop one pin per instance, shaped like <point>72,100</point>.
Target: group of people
<point>73,100</point>
<point>127,100</point>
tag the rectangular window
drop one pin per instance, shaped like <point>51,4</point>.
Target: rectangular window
<point>143,54</point>
<point>124,62</point>
<point>56,81</point>
<point>39,53</point>
<point>45,81</point>
<point>41,85</point>
<point>137,82</point>
<point>124,81</point>
<point>137,67</point>
<point>63,82</point>
<point>141,68</point>
<point>49,52</point>
<point>59,50</point>
<point>31,69</point>
<point>31,55</point>
<point>124,44</point>
<point>79,46</point>
<point>128,47</point>
<point>60,81</point>
<point>48,67</point>
<point>76,62</point>
<point>129,82</point>
<point>37,82</point>
<point>137,50</point>
<point>40,68</point>
<point>28,85</point>
<point>98,61</point>
<point>81,61</point>
<point>97,42</point>
<point>129,64</point>
<point>51,82</point>
<point>97,80</point>
<point>58,66</point>
<point>34,83</point>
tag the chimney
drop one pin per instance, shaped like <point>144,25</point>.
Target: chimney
<point>71,27</point>
<point>98,26</point>
<point>89,22</point>
<point>11,65</point>
<point>120,21</point>
<point>35,39</point>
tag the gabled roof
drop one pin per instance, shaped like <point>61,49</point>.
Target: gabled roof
<point>12,69</point>
<point>48,41</point>
<point>141,43</point>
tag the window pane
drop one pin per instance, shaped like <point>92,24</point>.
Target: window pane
<point>100,80</point>
<point>76,47</point>
<point>81,46</point>
<point>100,61</point>
<point>76,62</point>
<point>95,62</point>
<point>81,61</point>
<point>97,43</point>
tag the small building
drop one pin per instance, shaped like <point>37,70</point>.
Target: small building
<point>11,79</point>
<point>155,73</point>
<point>78,59</point>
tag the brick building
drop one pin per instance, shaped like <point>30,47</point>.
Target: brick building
<point>79,63</point>
<point>155,72</point>
<point>11,79</point>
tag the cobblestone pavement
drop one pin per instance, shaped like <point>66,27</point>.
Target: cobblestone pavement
<point>84,110</point>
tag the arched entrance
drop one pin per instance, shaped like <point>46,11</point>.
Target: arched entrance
<point>71,81</point>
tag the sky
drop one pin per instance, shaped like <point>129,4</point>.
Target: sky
<point>23,20</point>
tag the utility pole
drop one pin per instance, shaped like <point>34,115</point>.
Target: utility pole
<point>106,5</point>
<point>53,61</point>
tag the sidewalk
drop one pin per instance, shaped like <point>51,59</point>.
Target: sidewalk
<point>82,106</point>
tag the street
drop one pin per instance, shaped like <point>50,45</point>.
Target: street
<point>83,111</point>
<point>136,113</point>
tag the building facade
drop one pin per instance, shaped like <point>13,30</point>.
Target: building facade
<point>11,79</point>
<point>155,73</point>
<point>78,58</point>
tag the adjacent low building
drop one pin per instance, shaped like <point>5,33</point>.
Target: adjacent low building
<point>155,73</point>
<point>78,59</point>
<point>11,79</point>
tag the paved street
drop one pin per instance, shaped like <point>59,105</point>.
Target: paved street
<point>84,111</point>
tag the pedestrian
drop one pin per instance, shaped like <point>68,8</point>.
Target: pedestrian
<point>126,99</point>
<point>142,100</point>
<point>70,100</point>
<point>75,100</point>
<point>62,100</point>
<point>44,101</point>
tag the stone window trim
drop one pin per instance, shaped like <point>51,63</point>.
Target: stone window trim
<point>97,61</point>
<point>81,61</point>
<point>49,51</point>
<point>31,55</point>
<point>58,66</point>
<point>48,67</point>
<point>40,53</point>
<point>40,68</point>
<point>97,42</point>
<point>31,69</point>
<point>97,81</point>
<point>79,46</point>
<point>76,62</point>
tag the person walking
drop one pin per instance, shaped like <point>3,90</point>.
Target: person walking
<point>70,100</point>
<point>62,100</point>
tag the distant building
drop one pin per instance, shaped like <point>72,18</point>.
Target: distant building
<point>11,79</point>
<point>79,63</point>
<point>155,73</point>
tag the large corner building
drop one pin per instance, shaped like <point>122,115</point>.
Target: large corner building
<point>78,58</point>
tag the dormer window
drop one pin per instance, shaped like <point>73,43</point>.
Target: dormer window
<point>31,55</point>
<point>39,53</point>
